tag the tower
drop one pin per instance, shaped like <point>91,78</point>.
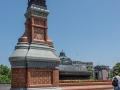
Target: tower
<point>34,61</point>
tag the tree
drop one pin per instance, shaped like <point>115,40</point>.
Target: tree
<point>116,68</point>
<point>90,69</point>
<point>110,75</point>
<point>5,74</point>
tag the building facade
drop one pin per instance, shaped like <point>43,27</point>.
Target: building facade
<point>73,70</point>
<point>101,72</point>
<point>64,60</point>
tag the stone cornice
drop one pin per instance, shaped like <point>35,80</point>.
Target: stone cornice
<point>18,64</point>
<point>37,11</point>
<point>35,64</point>
<point>43,64</point>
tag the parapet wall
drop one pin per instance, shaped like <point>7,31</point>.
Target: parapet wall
<point>5,86</point>
<point>75,86</point>
<point>87,86</point>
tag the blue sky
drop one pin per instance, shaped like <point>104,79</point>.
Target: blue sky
<point>89,28</point>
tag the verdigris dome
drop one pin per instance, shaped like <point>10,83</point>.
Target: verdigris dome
<point>64,60</point>
<point>62,54</point>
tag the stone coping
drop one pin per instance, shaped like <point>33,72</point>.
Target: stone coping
<point>92,87</point>
<point>87,86</point>
<point>77,86</point>
<point>85,83</point>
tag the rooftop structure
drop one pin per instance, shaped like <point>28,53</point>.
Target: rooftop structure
<point>67,61</point>
<point>76,70</point>
<point>101,72</point>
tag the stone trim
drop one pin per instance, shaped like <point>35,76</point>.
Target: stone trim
<point>37,6</point>
<point>37,11</point>
<point>43,64</point>
<point>34,64</point>
<point>18,64</point>
<point>42,59</point>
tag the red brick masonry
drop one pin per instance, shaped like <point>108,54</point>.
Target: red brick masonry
<point>34,77</point>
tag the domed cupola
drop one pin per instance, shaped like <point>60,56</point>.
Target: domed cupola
<point>64,59</point>
<point>62,54</point>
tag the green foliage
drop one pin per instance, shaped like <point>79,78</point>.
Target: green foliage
<point>5,74</point>
<point>116,68</point>
<point>91,77</point>
<point>89,69</point>
<point>110,75</point>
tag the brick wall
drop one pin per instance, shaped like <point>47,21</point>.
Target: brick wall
<point>5,86</point>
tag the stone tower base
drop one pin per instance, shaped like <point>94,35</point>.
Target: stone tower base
<point>34,67</point>
<point>35,77</point>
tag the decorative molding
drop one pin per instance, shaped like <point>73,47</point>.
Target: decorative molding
<point>43,64</point>
<point>18,64</point>
<point>37,64</point>
<point>40,77</point>
<point>38,33</point>
<point>39,22</point>
<point>37,11</point>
